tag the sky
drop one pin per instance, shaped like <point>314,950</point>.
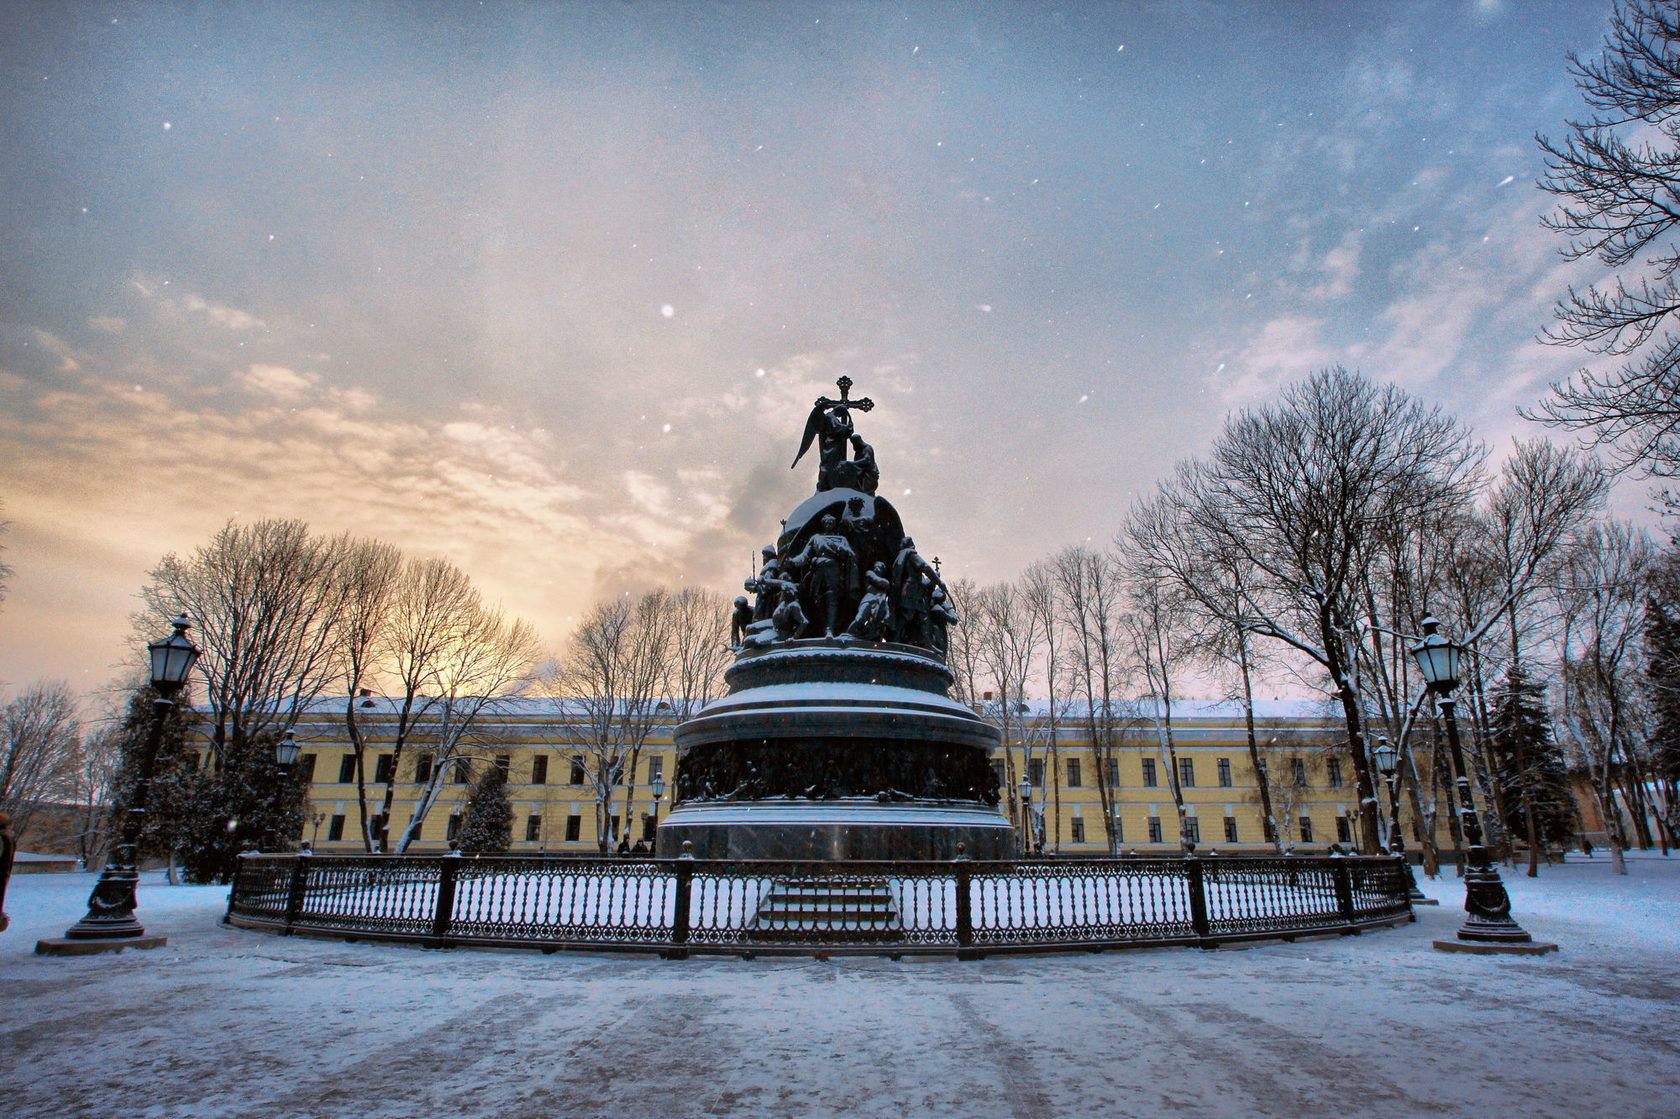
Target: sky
<point>548,288</point>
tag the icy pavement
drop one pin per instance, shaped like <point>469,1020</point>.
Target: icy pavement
<point>226,1022</point>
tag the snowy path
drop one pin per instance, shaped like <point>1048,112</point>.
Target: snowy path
<point>224,1022</point>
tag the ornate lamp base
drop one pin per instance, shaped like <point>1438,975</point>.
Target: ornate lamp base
<point>1489,927</point>
<point>64,946</point>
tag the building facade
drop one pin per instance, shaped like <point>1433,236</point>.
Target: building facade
<point>1073,786</point>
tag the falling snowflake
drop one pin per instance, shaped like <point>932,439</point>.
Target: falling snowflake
<point>667,310</point>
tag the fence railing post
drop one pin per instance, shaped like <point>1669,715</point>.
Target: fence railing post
<point>445,915</point>
<point>965,905</point>
<point>1344,890</point>
<point>679,911</point>
<point>1196,879</point>
<point>294,892</point>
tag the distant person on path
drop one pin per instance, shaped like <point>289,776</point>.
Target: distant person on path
<point>1586,847</point>
<point>8,848</point>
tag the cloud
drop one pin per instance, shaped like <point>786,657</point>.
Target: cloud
<point>277,381</point>
<point>186,304</point>
<point>1340,267</point>
<point>1283,349</point>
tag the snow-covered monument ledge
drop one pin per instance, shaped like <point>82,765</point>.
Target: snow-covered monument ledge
<point>836,799</point>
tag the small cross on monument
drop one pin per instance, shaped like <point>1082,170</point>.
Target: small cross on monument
<point>862,403</point>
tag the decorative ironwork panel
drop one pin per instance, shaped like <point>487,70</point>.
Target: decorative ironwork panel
<point>606,901</point>
<point>1050,902</point>
<point>390,894</point>
<point>261,887</point>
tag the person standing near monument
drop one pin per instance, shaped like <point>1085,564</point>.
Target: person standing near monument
<point>8,851</point>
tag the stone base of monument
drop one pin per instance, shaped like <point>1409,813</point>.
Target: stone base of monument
<point>846,830</point>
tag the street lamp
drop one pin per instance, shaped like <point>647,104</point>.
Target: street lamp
<point>286,752</point>
<point>110,916</point>
<point>658,787</point>
<point>1488,925</point>
<point>1388,764</point>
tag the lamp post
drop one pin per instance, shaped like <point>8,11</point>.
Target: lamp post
<point>110,922</point>
<point>1488,925</point>
<point>658,787</point>
<point>1388,764</point>
<point>1025,789</point>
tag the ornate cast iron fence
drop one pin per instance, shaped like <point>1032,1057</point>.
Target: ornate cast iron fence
<point>678,906</point>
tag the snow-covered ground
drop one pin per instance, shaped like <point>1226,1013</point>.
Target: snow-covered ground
<point>226,1022</point>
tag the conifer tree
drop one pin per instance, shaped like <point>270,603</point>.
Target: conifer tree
<point>1529,766</point>
<point>487,827</point>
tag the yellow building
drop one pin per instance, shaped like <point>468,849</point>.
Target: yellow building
<point>538,745</point>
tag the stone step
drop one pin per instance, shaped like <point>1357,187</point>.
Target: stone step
<point>802,909</point>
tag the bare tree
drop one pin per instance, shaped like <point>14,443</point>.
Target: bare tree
<point>1013,639</point>
<point>1161,646</point>
<point>1615,173</point>
<point>1089,595</point>
<point>1298,492</point>
<point>1039,594</point>
<point>615,662</point>
<point>699,629</point>
<point>40,748</point>
<point>264,599</point>
<point>1599,598</point>
<point>456,658</point>
<point>370,573</point>
<point>93,784</point>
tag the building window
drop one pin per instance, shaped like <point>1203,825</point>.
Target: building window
<point>1187,773</point>
<point>1154,829</point>
<point>577,771</point>
<point>656,770</point>
<point>454,828</point>
<point>1149,773</point>
<point>1230,829</point>
<point>335,829</point>
<point>648,825</point>
<point>347,769</point>
<point>422,769</point>
<point>1224,773</point>
<point>1035,772</point>
<point>377,825</point>
<point>189,761</point>
<point>504,764</point>
<point>306,769</point>
<point>1344,830</point>
<point>997,768</point>
<point>1113,768</point>
<point>1268,831</point>
<point>612,828</point>
<point>539,770</point>
<point>1073,773</point>
<point>533,828</point>
<point>1333,772</point>
<point>1306,829</point>
<point>1298,772</point>
<point>382,770</point>
<point>574,828</point>
<point>463,772</point>
<point>1078,830</point>
<point>1119,831</point>
<point>1193,829</point>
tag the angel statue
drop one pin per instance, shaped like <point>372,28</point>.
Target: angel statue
<point>830,426</point>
